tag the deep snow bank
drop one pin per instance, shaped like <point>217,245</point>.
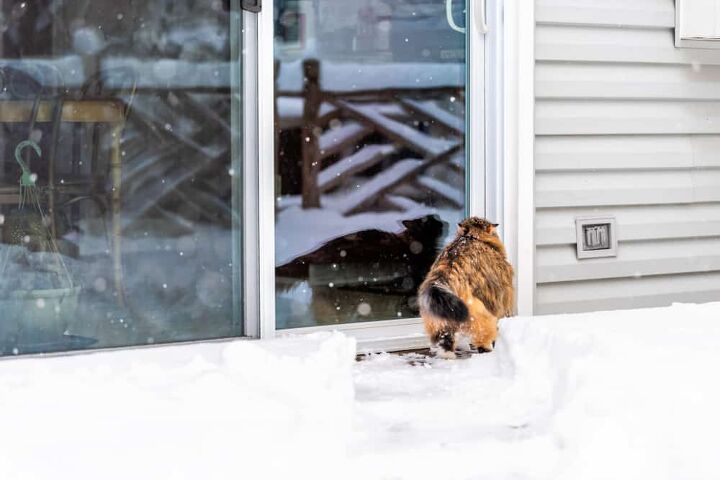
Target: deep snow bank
<point>211,411</point>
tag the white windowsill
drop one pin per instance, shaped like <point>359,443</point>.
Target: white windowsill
<point>382,335</point>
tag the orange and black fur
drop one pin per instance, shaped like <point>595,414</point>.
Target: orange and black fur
<point>468,288</point>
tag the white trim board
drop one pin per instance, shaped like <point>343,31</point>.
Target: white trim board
<point>266,159</point>
<point>494,91</point>
<point>249,233</point>
<point>477,114</point>
<point>519,178</point>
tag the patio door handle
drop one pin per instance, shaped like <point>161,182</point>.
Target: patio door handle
<point>480,17</point>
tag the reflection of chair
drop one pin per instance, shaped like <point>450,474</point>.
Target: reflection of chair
<point>101,109</point>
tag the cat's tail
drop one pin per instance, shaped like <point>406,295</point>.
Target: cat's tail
<point>441,303</point>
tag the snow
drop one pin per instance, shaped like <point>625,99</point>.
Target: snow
<point>364,158</point>
<point>320,225</point>
<point>210,411</point>
<point>335,76</point>
<point>335,137</point>
<point>432,110</point>
<point>167,73</point>
<point>608,395</point>
<point>414,138</point>
<point>48,70</point>
<point>290,110</point>
<point>612,395</point>
<point>381,182</point>
<point>443,189</point>
<point>352,76</point>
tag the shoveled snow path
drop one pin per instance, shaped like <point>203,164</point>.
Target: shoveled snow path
<point>613,395</point>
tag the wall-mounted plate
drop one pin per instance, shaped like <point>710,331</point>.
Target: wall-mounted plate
<point>596,237</point>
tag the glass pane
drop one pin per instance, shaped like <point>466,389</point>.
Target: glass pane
<point>119,173</point>
<point>370,154</point>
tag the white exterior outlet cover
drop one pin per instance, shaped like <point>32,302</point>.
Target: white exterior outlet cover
<point>596,237</point>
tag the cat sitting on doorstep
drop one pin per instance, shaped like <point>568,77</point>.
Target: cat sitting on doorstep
<point>468,288</point>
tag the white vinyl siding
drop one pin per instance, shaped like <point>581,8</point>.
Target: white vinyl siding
<point>627,125</point>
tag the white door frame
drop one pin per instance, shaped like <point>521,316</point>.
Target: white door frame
<point>483,116</point>
<point>518,146</point>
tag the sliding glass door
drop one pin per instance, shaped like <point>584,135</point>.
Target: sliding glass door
<point>139,194</point>
<point>371,153</point>
<point>120,177</point>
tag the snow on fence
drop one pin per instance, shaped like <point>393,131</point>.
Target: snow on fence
<point>369,108</point>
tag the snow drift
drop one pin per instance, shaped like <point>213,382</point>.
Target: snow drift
<point>612,395</point>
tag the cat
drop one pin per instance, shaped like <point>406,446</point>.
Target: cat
<point>468,288</point>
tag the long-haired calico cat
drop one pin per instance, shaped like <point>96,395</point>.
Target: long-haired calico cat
<point>468,288</point>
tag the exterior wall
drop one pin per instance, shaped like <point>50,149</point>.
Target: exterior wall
<point>626,125</point>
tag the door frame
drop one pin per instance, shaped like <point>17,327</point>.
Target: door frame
<point>518,144</point>
<point>486,55</point>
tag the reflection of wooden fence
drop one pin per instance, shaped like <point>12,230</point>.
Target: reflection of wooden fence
<point>384,113</point>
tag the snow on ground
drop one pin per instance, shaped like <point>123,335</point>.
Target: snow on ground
<point>614,395</point>
<point>206,411</point>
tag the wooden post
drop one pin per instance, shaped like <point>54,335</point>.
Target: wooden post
<point>310,148</point>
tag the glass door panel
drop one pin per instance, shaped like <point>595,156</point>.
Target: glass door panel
<point>370,141</point>
<point>119,211</point>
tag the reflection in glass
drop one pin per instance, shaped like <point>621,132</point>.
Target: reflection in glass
<point>370,154</point>
<point>117,219</point>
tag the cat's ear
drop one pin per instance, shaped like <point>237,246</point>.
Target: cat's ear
<point>461,230</point>
<point>492,228</point>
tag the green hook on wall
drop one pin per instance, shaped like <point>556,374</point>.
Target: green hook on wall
<point>28,178</point>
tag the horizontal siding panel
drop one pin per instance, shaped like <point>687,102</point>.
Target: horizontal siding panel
<point>592,290</point>
<point>575,117</point>
<point>615,13</point>
<point>635,232</point>
<point>631,81</point>
<point>622,152</point>
<point>601,89</point>
<point>612,293</point>
<point>639,300</point>
<point>616,197</point>
<point>559,263</point>
<point>565,255</point>
<point>627,268</point>
<point>624,73</point>
<point>624,45</point>
<point>602,188</point>
<point>660,180</point>
<point>557,226</point>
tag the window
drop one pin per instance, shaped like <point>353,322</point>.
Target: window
<point>120,174</point>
